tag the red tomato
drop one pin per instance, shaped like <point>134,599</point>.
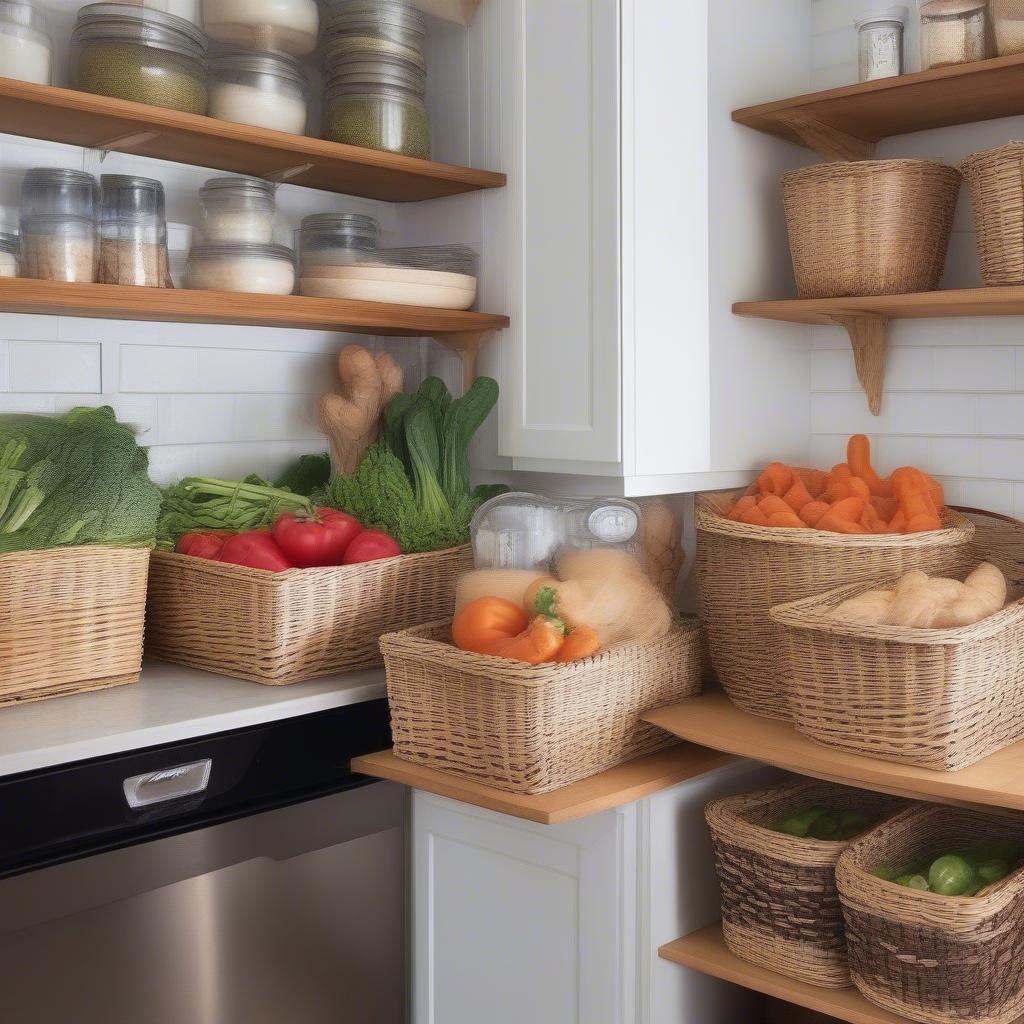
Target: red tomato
<point>202,544</point>
<point>371,545</point>
<point>319,541</point>
<point>255,549</point>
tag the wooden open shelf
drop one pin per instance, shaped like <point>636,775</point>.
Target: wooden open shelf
<point>613,788</point>
<point>714,721</point>
<point>846,123</point>
<point>99,122</point>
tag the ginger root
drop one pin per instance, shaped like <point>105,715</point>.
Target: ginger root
<point>661,537</point>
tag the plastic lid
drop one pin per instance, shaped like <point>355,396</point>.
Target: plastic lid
<point>949,8</point>
<point>339,47</point>
<point>23,13</point>
<point>238,185</point>
<point>278,64</point>
<point>342,224</point>
<point>128,195</point>
<point>451,259</point>
<point>383,70</point>
<point>348,14</point>
<point>892,14</point>
<point>143,25</point>
<point>240,251</point>
<point>61,177</point>
<point>10,243</point>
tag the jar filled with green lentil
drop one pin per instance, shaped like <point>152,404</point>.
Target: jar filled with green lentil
<point>142,54</point>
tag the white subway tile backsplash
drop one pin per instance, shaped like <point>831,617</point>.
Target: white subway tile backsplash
<point>275,418</point>
<point>833,370</point>
<point>153,369</point>
<point>929,413</point>
<point>239,371</point>
<point>195,419</point>
<point>48,366</point>
<point>5,359</point>
<point>975,368</point>
<point>1001,415</point>
<point>27,403</point>
<point>994,495</point>
<point>846,412</point>
<point>169,463</point>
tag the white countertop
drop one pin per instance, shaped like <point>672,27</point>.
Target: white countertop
<point>169,703</point>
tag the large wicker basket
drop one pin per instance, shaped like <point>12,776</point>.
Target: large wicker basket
<point>531,728</point>
<point>279,628</point>
<point>780,908</point>
<point>996,181</point>
<point>871,227</point>
<point>931,958</point>
<point>941,699</point>
<point>744,570</point>
<point>71,620</point>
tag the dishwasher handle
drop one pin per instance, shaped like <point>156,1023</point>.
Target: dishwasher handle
<point>167,783</point>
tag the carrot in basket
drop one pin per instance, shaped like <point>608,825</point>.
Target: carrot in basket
<point>582,642</point>
<point>872,521</point>
<point>797,496</point>
<point>843,517</point>
<point>914,494</point>
<point>754,517</point>
<point>788,519</point>
<point>770,504</point>
<point>540,641</point>
<point>812,512</point>
<point>885,507</point>
<point>777,478</point>
<point>813,480</point>
<point>748,501</point>
<point>858,456</point>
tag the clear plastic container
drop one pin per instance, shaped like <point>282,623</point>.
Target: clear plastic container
<point>142,54</point>
<point>373,27</point>
<point>238,209</point>
<point>1008,24</point>
<point>58,190</point>
<point>10,251</point>
<point>274,26</point>
<point>26,50</point>
<point>233,267</point>
<point>59,247</point>
<point>133,232</point>
<point>953,32</point>
<point>880,44</point>
<point>264,89</point>
<point>448,259</point>
<point>526,531</point>
<point>336,239</point>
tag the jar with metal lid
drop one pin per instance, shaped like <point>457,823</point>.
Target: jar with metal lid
<point>238,209</point>
<point>10,250</point>
<point>387,27</point>
<point>142,54</point>
<point>335,239</point>
<point>133,231</point>
<point>880,44</point>
<point>26,50</point>
<point>59,247</point>
<point>264,89</point>
<point>278,26</point>
<point>953,32</point>
<point>58,190</point>
<point>241,267</point>
<point>1008,24</point>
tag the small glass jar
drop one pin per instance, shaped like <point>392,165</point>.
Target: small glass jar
<point>880,44</point>
<point>953,32</point>
<point>238,209</point>
<point>233,267</point>
<point>10,250</point>
<point>1008,25</point>
<point>264,89</point>
<point>59,247</point>
<point>276,26</point>
<point>142,54</point>
<point>335,239</point>
<point>58,190</point>
<point>133,232</point>
<point>26,51</point>
<point>373,27</point>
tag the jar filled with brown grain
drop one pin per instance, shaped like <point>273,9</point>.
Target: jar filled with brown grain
<point>954,32</point>
<point>133,232</point>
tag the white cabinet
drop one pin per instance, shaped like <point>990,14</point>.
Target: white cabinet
<point>515,922</point>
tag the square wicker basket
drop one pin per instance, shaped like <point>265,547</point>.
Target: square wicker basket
<point>283,627</point>
<point>531,728</point>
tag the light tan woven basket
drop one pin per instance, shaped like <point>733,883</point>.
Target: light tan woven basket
<point>71,620</point>
<point>996,181</point>
<point>871,227</point>
<point>941,699</point>
<point>931,958</point>
<point>283,627</point>
<point>780,908</point>
<point>531,728</point>
<point>743,571</point>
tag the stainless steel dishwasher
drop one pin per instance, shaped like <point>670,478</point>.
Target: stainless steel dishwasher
<point>246,878</point>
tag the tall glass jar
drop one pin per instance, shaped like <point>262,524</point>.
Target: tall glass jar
<point>26,51</point>
<point>133,231</point>
<point>953,32</point>
<point>238,209</point>
<point>58,190</point>
<point>368,27</point>
<point>880,44</point>
<point>59,247</point>
<point>264,89</point>
<point>242,267</point>
<point>277,26</point>
<point>142,54</point>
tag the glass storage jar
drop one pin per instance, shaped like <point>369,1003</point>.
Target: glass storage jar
<point>880,44</point>
<point>59,247</point>
<point>239,267</point>
<point>26,51</point>
<point>133,231</point>
<point>372,27</point>
<point>264,89</point>
<point>1008,24</point>
<point>10,249</point>
<point>279,26</point>
<point>334,239</point>
<point>142,54</point>
<point>953,32</point>
<point>238,209</point>
<point>58,190</point>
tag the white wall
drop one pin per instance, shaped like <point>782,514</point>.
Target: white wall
<point>954,401</point>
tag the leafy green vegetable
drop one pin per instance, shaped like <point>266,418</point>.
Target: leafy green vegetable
<point>462,420</point>
<point>306,474</point>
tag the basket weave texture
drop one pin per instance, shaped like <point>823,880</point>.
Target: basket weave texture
<point>744,570</point>
<point>780,907</point>
<point>71,620</point>
<point>871,227</point>
<point>279,628</point>
<point>936,959</point>
<point>996,181</point>
<point>531,728</point>
<point>942,699</point>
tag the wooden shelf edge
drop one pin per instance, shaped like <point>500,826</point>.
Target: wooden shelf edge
<point>616,787</point>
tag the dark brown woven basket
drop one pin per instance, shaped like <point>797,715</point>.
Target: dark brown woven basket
<point>936,959</point>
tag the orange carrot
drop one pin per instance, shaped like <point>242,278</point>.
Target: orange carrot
<point>813,480</point>
<point>754,517</point>
<point>911,489</point>
<point>898,523</point>
<point>858,455</point>
<point>540,641</point>
<point>885,507</point>
<point>770,504</point>
<point>788,519</point>
<point>777,478</point>
<point>797,496</point>
<point>872,521</point>
<point>748,501</point>
<point>812,512</point>
<point>843,516</point>
<point>582,642</point>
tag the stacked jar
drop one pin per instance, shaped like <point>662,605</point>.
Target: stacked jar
<point>26,52</point>
<point>954,32</point>
<point>335,239</point>
<point>133,231</point>
<point>58,225</point>
<point>376,77</point>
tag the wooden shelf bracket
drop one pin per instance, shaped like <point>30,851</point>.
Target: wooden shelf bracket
<point>828,142</point>
<point>869,336</point>
<point>466,344</point>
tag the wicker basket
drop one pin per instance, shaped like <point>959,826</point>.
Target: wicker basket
<point>71,620</point>
<point>941,699</point>
<point>279,628</point>
<point>531,728</point>
<point>872,227</point>
<point>744,570</point>
<point>996,180</point>
<point>780,908</point>
<point>931,958</point>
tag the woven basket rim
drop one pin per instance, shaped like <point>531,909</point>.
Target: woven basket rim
<point>864,168</point>
<point>77,551</point>
<point>983,156</point>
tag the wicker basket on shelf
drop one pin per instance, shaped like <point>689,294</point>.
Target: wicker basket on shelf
<point>283,627</point>
<point>531,728</point>
<point>996,181</point>
<point>870,227</point>
<point>780,907</point>
<point>931,958</point>
<point>744,570</point>
<point>71,620</point>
